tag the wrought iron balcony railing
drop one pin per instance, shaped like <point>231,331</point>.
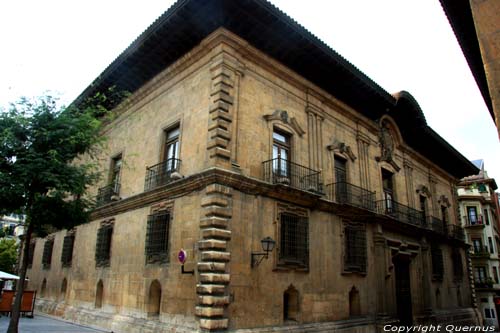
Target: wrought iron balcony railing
<point>281,171</point>
<point>456,232</point>
<point>437,224</point>
<point>349,194</point>
<point>471,220</point>
<point>483,283</point>
<point>107,194</point>
<point>401,212</point>
<point>480,251</point>
<point>161,173</point>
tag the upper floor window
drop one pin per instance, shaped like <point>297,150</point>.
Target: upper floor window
<point>490,244</point>
<point>31,254</point>
<point>480,275</point>
<point>486,217</point>
<point>116,166</point>
<point>477,245</point>
<point>103,245</point>
<point>340,166</point>
<point>67,250</point>
<point>47,253</point>
<point>294,240</point>
<point>444,215</point>
<point>354,247</point>
<point>157,238</point>
<point>171,149</point>
<point>281,153</point>
<point>423,206</point>
<point>388,187</point>
<point>472,215</point>
<point>495,274</point>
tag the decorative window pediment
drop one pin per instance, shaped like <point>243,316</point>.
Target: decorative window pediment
<point>283,116</point>
<point>342,149</point>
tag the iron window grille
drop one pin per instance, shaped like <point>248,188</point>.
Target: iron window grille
<point>294,240</point>
<point>67,251</point>
<point>458,269</point>
<point>437,263</point>
<point>157,236</point>
<point>355,248</point>
<point>47,254</point>
<point>31,254</point>
<point>103,245</point>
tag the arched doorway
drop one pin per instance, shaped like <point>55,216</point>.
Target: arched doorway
<point>290,304</point>
<point>154,300</point>
<point>99,293</point>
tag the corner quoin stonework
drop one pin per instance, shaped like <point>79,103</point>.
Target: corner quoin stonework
<point>214,258</point>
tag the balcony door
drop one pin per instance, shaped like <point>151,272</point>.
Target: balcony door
<point>281,156</point>
<point>171,150</point>
<point>472,215</point>
<point>388,187</point>
<point>340,179</point>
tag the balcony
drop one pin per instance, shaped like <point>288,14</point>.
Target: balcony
<point>480,252</point>
<point>474,221</point>
<point>349,194</point>
<point>107,194</point>
<point>437,225</point>
<point>456,232</point>
<point>162,173</point>
<point>401,212</point>
<point>283,172</point>
<point>486,283</point>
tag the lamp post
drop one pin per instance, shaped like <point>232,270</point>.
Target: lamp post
<point>267,246</point>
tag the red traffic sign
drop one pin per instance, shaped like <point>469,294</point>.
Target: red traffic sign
<point>182,256</point>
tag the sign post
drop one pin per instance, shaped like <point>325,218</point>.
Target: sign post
<point>182,256</point>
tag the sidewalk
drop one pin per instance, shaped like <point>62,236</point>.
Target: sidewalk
<point>44,324</point>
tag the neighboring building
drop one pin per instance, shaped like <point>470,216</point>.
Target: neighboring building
<point>241,125</point>
<point>478,207</point>
<point>12,225</point>
<point>476,24</point>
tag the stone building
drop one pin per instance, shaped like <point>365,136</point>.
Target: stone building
<point>241,125</point>
<point>478,207</point>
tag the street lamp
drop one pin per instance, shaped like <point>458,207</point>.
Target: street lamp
<point>267,246</point>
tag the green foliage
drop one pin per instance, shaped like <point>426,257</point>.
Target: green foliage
<point>8,255</point>
<point>40,174</point>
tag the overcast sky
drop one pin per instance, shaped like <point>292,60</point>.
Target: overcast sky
<point>61,46</point>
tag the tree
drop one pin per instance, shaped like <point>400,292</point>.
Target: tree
<point>41,174</point>
<point>8,255</point>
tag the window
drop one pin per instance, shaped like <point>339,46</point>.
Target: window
<point>157,235</point>
<point>31,254</point>
<point>437,263</point>
<point>388,187</point>
<point>67,250</point>
<point>47,253</point>
<point>116,166</point>
<point>294,240</point>
<point>489,313</point>
<point>472,215</point>
<point>281,154</point>
<point>495,274</point>
<point>171,150</point>
<point>477,245</point>
<point>490,244</point>
<point>486,217</point>
<point>355,247</point>
<point>103,245</point>
<point>480,275</point>
<point>458,269</point>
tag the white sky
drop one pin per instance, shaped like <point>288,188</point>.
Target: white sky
<point>61,46</point>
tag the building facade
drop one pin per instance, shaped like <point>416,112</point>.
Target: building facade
<point>235,132</point>
<point>478,207</point>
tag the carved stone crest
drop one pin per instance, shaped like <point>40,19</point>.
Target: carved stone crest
<point>386,143</point>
